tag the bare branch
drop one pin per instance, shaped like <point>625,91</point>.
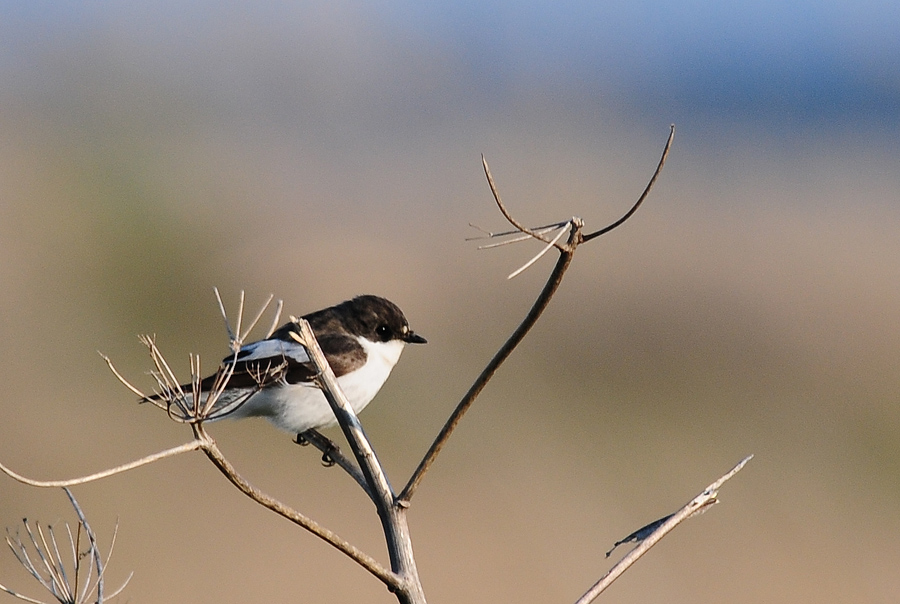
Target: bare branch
<point>391,511</point>
<point>356,436</point>
<point>190,446</point>
<point>543,299</point>
<point>706,498</point>
<point>209,447</point>
<point>659,167</point>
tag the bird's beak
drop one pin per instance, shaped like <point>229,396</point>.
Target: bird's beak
<point>414,338</point>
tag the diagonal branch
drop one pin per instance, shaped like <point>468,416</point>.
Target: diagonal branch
<point>565,258</point>
<point>359,443</point>
<point>408,587</point>
<point>212,451</point>
<point>694,506</point>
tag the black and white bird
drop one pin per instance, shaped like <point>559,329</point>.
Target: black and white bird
<point>274,378</point>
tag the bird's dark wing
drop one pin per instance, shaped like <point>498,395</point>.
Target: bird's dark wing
<point>282,359</point>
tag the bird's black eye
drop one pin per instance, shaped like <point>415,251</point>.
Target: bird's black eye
<point>383,332</point>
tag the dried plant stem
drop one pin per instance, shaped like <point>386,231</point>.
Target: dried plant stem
<point>212,451</point>
<point>543,299</point>
<point>95,551</point>
<point>48,567</point>
<point>695,505</point>
<point>190,446</point>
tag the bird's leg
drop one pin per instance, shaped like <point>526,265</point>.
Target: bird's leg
<point>321,442</point>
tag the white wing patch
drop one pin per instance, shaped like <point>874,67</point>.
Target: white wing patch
<point>267,349</point>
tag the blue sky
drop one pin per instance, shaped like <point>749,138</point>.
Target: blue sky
<point>771,61</point>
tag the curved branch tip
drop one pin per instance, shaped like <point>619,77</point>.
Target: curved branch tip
<point>637,204</point>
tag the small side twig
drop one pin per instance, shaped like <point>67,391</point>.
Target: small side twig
<point>706,498</point>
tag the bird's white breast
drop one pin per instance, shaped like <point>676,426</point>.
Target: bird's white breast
<point>299,407</point>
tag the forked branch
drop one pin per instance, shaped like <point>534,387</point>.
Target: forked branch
<point>566,254</point>
<point>562,264</point>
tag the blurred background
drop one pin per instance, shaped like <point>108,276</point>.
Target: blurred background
<point>318,150</point>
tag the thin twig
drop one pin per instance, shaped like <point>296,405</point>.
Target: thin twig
<point>119,376</point>
<point>240,319</point>
<point>279,306</point>
<point>701,501</point>
<point>20,596</point>
<point>505,212</point>
<point>489,235</point>
<point>256,319</point>
<point>164,374</point>
<point>231,335</point>
<point>659,167</point>
<point>190,446</point>
<point>546,249</point>
<point>57,557</point>
<point>50,564</point>
<point>95,552</point>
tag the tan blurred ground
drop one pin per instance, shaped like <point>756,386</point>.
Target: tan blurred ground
<point>753,306</point>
